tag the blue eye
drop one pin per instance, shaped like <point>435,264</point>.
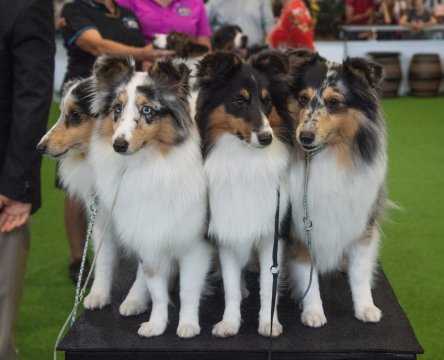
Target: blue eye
<point>146,110</point>
<point>118,108</point>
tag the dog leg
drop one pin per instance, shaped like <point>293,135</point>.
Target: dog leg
<point>138,298</point>
<point>266,280</point>
<point>194,268</point>
<point>362,260</point>
<point>100,294</point>
<point>158,288</point>
<point>312,310</point>
<point>231,274</point>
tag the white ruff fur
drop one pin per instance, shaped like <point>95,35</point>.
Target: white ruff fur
<point>243,184</point>
<point>160,216</point>
<point>339,203</point>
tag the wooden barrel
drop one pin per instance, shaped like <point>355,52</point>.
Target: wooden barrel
<point>425,75</point>
<point>393,73</point>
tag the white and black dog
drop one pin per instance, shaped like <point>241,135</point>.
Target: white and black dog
<point>246,154</point>
<point>68,141</point>
<point>146,149</point>
<point>337,116</point>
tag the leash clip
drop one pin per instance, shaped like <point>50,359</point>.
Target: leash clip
<point>308,224</point>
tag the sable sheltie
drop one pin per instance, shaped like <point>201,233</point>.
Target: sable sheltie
<point>246,157</point>
<point>146,155</point>
<point>68,141</point>
<point>337,116</point>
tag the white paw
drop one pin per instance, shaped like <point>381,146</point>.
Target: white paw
<point>152,328</point>
<point>313,318</point>
<point>225,329</point>
<point>132,307</point>
<point>369,314</point>
<point>187,331</point>
<point>96,301</point>
<point>264,329</point>
<point>245,292</point>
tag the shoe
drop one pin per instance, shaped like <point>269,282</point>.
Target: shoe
<point>74,270</point>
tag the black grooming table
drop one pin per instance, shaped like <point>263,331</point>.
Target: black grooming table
<point>104,334</point>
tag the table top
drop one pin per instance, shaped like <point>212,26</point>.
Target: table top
<point>103,331</point>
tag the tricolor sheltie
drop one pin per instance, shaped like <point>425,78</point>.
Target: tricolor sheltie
<point>68,141</point>
<point>337,116</point>
<point>246,155</point>
<point>146,149</point>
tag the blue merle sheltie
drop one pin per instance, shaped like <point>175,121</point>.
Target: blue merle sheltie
<point>246,158</point>
<point>146,156</point>
<point>336,118</point>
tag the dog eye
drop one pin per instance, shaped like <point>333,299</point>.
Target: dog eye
<point>118,108</point>
<point>303,100</point>
<point>240,102</point>
<point>334,103</point>
<point>75,115</point>
<point>266,100</point>
<point>146,110</point>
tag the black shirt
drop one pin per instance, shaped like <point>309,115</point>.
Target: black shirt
<point>81,15</point>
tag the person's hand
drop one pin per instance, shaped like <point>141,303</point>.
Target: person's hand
<point>420,25</point>
<point>12,213</point>
<point>148,53</point>
<point>368,12</point>
<point>59,23</point>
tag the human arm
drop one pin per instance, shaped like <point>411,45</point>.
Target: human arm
<point>386,14</point>
<point>32,54</point>
<point>92,41</point>
<point>204,40</point>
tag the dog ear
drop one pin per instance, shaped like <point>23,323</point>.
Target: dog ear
<point>271,62</point>
<point>217,66</point>
<point>300,58</point>
<point>195,50</point>
<point>110,71</point>
<point>172,74</point>
<point>364,71</point>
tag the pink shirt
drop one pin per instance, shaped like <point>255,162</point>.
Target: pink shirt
<point>187,16</point>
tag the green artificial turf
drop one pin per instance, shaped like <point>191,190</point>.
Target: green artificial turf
<point>411,254</point>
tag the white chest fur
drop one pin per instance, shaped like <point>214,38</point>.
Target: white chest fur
<point>160,207</point>
<point>339,202</point>
<point>77,176</point>
<point>242,185</point>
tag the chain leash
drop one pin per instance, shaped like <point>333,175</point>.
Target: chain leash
<point>308,223</point>
<point>94,207</point>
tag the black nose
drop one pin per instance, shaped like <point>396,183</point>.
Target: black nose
<point>41,148</point>
<point>120,146</point>
<point>306,137</point>
<point>244,41</point>
<point>265,140</point>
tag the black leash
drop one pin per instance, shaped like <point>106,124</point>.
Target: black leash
<point>274,270</point>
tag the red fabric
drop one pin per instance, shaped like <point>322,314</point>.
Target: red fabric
<point>360,7</point>
<point>296,29</point>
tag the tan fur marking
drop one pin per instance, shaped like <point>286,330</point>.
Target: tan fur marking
<point>62,138</point>
<point>307,92</point>
<point>329,94</point>
<point>264,93</point>
<point>107,127</point>
<point>299,253</point>
<point>221,123</point>
<point>141,101</point>
<point>123,98</point>
<point>245,94</point>
<point>161,134</point>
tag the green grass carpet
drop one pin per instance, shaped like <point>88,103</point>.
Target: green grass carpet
<point>411,254</point>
